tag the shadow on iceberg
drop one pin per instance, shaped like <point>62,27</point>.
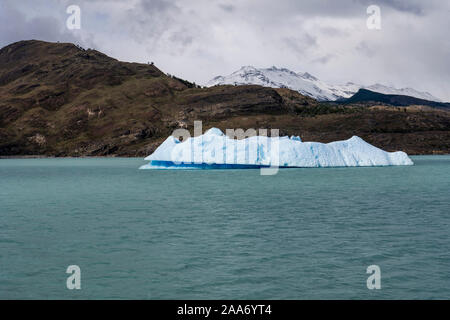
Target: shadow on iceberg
<point>155,164</point>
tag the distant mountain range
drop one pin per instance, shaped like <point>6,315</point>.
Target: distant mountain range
<point>307,84</point>
<point>368,96</point>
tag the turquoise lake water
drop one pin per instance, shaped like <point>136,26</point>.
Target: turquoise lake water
<point>223,234</point>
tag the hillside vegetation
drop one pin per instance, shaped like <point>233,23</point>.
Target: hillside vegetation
<point>57,99</point>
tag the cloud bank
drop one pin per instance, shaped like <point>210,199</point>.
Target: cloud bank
<point>199,39</point>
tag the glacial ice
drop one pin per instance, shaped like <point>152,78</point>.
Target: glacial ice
<point>214,150</point>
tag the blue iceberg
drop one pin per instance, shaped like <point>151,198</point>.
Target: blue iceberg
<point>215,150</point>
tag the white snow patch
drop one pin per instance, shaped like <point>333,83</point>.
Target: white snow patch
<point>307,84</point>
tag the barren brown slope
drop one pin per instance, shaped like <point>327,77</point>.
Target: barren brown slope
<point>60,100</point>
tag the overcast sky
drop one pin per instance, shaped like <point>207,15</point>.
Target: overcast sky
<point>200,39</point>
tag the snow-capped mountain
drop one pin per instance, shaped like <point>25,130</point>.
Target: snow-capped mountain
<point>307,84</point>
<point>404,91</point>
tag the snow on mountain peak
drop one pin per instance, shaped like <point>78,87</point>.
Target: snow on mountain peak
<point>282,78</point>
<point>403,91</point>
<point>307,84</point>
<point>307,75</point>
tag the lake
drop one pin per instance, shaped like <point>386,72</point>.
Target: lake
<point>223,234</point>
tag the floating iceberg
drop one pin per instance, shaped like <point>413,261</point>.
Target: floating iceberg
<point>214,150</point>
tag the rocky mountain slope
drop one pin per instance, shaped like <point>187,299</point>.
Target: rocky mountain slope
<point>57,99</point>
<point>307,84</point>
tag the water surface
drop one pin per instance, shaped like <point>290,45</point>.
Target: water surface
<point>225,234</point>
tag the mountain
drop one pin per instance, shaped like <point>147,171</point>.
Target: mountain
<point>57,99</point>
<point>307,84</point>
<point>402,92</point>
<point>274,77</point>
<point>62,100</point>
<point>364,95</point>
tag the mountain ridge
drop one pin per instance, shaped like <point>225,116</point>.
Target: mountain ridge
<point>57,99</point>
<point>307,84</point>
<point>365,95</point>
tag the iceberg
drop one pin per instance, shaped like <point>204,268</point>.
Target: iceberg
<point>215,150</point>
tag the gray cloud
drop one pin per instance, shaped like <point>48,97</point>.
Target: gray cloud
<point>414,7</point>
<point>199,39</point>
<point>15,25</point>
<point>227,7</point>
<point>324,59</point>
<point>364,48</point>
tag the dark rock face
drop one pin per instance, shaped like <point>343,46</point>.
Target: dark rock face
<point>57,99</point>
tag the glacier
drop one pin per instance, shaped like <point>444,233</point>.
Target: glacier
<point>215,150</point>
